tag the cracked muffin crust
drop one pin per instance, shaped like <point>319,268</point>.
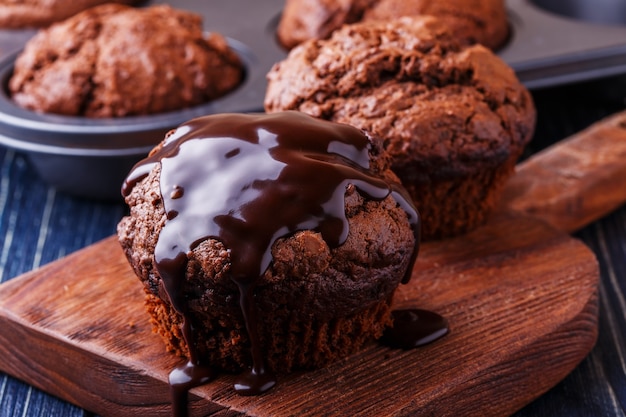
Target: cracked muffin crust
<point>316,302</point>
<point>454,118</point>
<point>470,21</point>
<point>115,60</point>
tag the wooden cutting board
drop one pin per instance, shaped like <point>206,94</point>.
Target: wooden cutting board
<point>520,295</point>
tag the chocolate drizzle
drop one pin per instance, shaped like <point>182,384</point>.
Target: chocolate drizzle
<point>248,180</point>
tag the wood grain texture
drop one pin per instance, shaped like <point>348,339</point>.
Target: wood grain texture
<point>576,181</point>
<point>520,294</point>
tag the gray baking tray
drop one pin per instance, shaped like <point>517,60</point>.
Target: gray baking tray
<point>557,42</point>
<point>552,42</point>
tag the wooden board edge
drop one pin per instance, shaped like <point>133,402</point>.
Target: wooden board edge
<point>83,385</point>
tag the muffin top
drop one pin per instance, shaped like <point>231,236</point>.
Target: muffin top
<point>114,61</point>
<point>16,14</point>
<point>470,21</point>
<point>435,102</point>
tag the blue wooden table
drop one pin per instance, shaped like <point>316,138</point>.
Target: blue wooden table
<point>39,225</point>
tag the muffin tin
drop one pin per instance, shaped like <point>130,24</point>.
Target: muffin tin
<point>557,42</point>
<point>552,42</point>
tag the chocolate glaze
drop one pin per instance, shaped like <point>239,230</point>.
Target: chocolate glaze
<point>248,180</point>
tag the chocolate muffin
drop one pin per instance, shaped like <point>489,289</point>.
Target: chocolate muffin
<point>115,60</point>
<point>470,21</point>
<point>15,14</point>
<point>268,241</point>
<point>454,118</point>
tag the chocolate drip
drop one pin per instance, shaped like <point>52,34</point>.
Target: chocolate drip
<point>248,180</point>
<point>182,379</point>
